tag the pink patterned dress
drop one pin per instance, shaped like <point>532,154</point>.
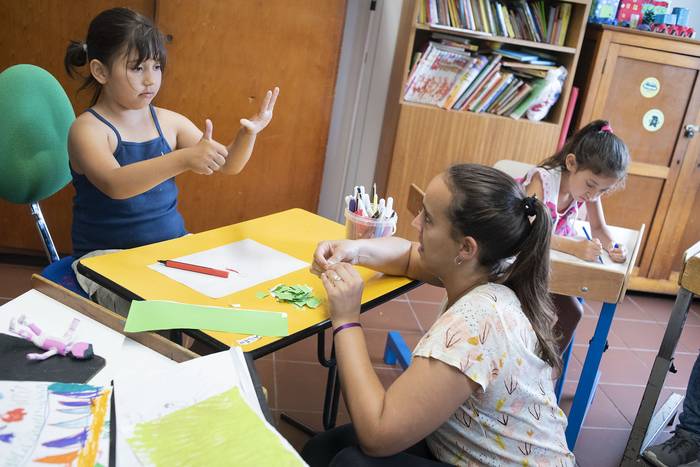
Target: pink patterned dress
<point>563,221</point>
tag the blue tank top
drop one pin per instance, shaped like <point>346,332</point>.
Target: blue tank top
<point>100,222</point>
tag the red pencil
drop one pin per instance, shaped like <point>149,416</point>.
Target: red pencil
<point>193,267</point>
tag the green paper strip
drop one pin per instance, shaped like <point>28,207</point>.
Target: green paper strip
<point>151,315</point>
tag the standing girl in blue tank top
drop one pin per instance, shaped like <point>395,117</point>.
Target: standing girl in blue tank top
<point>125,152</point>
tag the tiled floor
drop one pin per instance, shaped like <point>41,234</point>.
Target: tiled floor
<point>296,382</point>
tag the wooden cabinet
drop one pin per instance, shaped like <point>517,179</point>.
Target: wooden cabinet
<point>429,139</point>
<point>222,58</point>
<point>647,86</point>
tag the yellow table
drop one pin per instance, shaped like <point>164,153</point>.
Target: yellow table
<point>295,232</point>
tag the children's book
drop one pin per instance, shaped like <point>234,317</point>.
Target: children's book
<point>465,80</point>
<point>537,87</point>
<point>483,75</point>
<point>435,75</point>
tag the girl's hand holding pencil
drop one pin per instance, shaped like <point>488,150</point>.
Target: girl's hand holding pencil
<point>617,252</point>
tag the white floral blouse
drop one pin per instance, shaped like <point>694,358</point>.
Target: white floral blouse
<point>513,418</point>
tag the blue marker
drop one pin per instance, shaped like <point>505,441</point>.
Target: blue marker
<point>589,239</point>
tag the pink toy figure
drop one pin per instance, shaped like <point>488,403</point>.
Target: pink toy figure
<point>52,345</point>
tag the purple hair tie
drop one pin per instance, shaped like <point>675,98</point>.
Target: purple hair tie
<point>607,128</point>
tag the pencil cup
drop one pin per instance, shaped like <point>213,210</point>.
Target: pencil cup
<point>357,227</point>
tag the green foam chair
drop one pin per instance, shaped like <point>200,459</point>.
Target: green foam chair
<point>36,116</point>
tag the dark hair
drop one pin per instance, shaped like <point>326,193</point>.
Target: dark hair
<point>596,149</point>
<point>111,33</point>
<point>491,207</point>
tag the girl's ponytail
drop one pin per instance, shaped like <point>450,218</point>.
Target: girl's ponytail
<point>76,56</point>
<point>528,276</point>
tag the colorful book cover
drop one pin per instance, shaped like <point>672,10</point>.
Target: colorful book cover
<point>465,80</point>
<point>479,96</point>
<point>487,70</point>
<point>537,87</point>
<point>435,76</point>
<point>501,86</point>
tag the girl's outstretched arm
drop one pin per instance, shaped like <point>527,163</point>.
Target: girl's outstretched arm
<point>90,154</point>
<point>241,147</point>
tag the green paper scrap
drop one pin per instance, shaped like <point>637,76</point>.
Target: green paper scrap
<point>298,295</point>
<point>221,430</point>
<point>151,315</point>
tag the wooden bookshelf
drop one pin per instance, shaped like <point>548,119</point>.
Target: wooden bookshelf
<point>427,139</point>
<point>499,39</point>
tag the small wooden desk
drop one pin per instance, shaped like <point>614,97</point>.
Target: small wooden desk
<point>593,281</point>
<point>295,232</point>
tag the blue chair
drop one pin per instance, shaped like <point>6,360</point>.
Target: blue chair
<point>34,152</point>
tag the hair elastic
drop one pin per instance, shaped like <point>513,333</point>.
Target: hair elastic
<point>606,128</point>
<point>529,206</point>
<point>84,46</point>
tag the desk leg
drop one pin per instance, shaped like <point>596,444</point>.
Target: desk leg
<point>589,375</point>
<point>332,396</point>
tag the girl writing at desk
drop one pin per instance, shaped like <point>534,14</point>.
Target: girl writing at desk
<point>479,390</point>
<point>593,162</point>
<point>124,152</point>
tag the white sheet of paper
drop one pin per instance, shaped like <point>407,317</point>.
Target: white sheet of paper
<point>147,396</point>
<point>122,354</point>
<point>255,263</point>
<point>620,235</point>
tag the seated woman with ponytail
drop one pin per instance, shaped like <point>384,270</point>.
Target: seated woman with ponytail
<point>479,390</point>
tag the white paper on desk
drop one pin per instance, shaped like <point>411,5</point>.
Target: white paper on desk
<point>144,397</point>
<point>621,236</point>
<point>255,263</point>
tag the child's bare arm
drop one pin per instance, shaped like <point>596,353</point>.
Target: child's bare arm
<point>241,148</point>
<point>90,154</point>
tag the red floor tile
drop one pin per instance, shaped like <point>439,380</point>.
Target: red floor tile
<point>690,339</point>
<point>393,315</point>
<point>682,362</point>
<point>586,328</point>
<point>427,293</point>
<point>305,350</point>
<point>657,306</point>
<point>639,334</point>
<point>602,413</point>
<point>628,398</point>
<point>629,309</point>
<point>427,314</point>
<point>597,447</point>
<point>618,366</point>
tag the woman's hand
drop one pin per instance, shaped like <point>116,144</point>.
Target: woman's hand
<point>260,120</point>
<point>588,250</point>
<point>617,253</point>
<point>331,252</point>
<point>344,289</point>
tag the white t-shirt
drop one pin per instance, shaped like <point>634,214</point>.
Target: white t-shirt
<point>513,417</point>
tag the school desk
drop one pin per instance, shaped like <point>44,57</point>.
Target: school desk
<point>593,281</point>
<point>53,307</point>
<point>647,424</point>
<point>295,232</point>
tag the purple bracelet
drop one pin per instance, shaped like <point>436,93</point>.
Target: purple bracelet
<point>345,326</point>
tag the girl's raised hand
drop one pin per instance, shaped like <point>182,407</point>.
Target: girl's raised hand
<point>260,120</point>
<point>344,288</point>
<point>207,156</point>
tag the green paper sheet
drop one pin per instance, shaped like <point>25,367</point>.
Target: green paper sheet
<point>150,315</point>
<point>222,430</point>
